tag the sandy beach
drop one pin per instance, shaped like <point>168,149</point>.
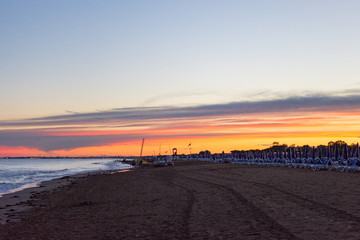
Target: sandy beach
<point>193,200</point>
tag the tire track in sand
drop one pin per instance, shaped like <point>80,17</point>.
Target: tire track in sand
<point>321,208</point>
<point>167,178</point>
<point>258,220</point>
<point>188,209</point>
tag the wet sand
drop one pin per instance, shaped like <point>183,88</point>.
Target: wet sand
<point>195,200</point>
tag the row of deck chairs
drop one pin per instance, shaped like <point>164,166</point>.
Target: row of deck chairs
<point>342,165</point>
<point>332,160</point>
<point>349,165</point>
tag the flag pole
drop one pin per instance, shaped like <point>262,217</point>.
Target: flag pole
<point>190,149</point>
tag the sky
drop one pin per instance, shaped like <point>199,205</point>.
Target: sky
<point>85,78</point>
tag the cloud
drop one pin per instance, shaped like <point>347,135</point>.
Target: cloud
<point>265,145</point>
<point>40,140</point>
<point>178,95</point>
<point>161,122</point>
<point>315,103</point>
<point>32,139</point>
<point>71,112</point>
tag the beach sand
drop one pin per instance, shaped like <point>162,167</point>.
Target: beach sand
<point>193,200</point>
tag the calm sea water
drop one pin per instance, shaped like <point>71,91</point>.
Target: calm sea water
<point>16,174</point>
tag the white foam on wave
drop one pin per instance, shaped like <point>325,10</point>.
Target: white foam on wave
<point>29,185</point>
<point>19,174</point>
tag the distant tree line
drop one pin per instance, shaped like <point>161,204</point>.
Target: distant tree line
<point>338,147</point>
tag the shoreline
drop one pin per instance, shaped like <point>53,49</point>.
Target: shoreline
<point>29,185</point>
<point>16,201</point>
<point>50,174</point>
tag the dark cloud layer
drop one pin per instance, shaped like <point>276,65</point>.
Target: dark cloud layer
<point>35,139</point>
<point>307,103</point>
<point>141,116</point>
<point>44,142</point>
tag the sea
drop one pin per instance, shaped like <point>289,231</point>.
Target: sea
<point>17,174</point>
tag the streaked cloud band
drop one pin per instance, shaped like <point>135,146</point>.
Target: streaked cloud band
<point>78,130</point>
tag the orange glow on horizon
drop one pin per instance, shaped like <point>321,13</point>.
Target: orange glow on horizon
<point>20,152</point>
<point>216,134</point>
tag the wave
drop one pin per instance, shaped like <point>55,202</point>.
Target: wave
<point>19,172</point>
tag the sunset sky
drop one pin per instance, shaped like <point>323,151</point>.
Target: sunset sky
<point>84,78</point>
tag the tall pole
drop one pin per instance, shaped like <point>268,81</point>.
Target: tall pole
<point>142,146</point>
<point>189,146</point>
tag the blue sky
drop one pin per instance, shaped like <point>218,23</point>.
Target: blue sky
<point>82,78</point>
<point>84,56</point>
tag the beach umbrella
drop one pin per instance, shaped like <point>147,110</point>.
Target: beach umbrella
<point>345,152</point>
<point>328,152</point>
<point>353,151</point>
<point>288,153</point>
<point>357,150</point>
<point>306,153</point>
<point>293,153</point>
<point>300,153</point>
<point>313,153</point>
<point>320,153</point>
<point>336,152</point>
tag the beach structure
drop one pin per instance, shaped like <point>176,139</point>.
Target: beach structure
<point>174,153</point>
<point>140,160</point>
<point>334,159</point>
